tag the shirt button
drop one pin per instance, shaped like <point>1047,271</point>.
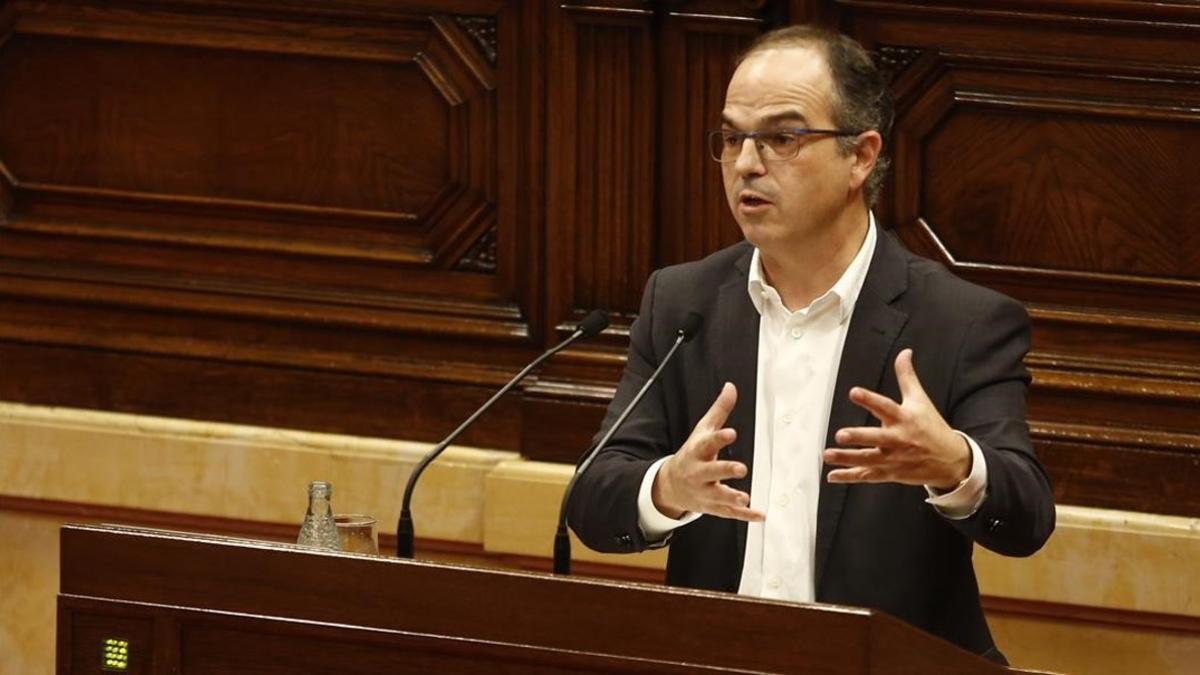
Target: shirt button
<point>774,583</point>
<point>787,419</point>
<point>783,500</point>
<point>797,333</point>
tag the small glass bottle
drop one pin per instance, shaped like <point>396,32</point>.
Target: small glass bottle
<point>319,529</point>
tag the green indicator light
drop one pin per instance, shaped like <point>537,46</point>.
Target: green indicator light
<point>115,655</point>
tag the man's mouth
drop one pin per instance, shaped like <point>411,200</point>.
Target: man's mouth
<point>750,200</point>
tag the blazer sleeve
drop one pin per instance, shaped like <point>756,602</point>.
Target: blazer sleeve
<point>603,507</point>
<point>987,402</point>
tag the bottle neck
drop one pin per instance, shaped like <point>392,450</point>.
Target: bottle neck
<point>318,505</point>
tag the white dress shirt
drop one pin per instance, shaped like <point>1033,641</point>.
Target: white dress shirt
<point>798,357</point>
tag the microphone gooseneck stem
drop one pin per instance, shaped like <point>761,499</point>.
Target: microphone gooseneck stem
<point>404,528</point>
<point>562,543</point>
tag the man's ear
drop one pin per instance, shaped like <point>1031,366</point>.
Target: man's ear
<point>866,153</point>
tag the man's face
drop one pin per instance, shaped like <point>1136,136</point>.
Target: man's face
<point>784,202</point>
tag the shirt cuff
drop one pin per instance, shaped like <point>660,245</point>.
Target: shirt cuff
<point>963,501</point>
<point>656,527</point>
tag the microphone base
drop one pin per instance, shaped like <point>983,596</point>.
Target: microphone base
<point>404,537</point>
<point>562,553</point>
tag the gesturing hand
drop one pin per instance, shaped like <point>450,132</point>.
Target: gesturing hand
<point>690,480</point>
<point>914,445</point>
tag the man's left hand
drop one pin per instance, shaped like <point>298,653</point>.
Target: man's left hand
<point>914,445</point>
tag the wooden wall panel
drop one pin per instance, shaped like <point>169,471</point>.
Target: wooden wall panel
<point>1038,150</point>
<point>601,157</point>
<point>300,191</point>
<point>378,153</point>
<point>290,130</point>
<point>631,186</point>
<point>693,212</point>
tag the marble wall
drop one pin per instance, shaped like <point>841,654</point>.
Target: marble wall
<point>1111,593</point>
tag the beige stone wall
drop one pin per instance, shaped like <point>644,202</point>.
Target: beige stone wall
<point>1111,593</point>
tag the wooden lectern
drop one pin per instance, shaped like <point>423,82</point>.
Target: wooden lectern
<point>149,601</point>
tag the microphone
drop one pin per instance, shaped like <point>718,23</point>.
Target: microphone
<point>593,323</point>
<point>562,542</point>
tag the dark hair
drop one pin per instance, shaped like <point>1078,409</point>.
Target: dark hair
<point>861,100</point>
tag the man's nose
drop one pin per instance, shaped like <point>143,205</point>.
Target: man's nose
<point>749,161</point>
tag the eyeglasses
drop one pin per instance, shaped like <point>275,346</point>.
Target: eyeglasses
<point>774,145</point>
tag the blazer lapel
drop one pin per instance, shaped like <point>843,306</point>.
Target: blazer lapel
<point>870,339</point>
<point>736,354</point>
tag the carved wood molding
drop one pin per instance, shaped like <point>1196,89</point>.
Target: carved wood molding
<point>893,60</point>
<point>1120,14</point>
<point>1160,390</point>
<point>483,29</point>
<point>481,257</point>
<point>49,207</point>
<point>454,317</point>
<point>1139,439</point>
<point>7,192</point>
<point>465,371</point>
<point>728,9</point>
<point>1158,347</point>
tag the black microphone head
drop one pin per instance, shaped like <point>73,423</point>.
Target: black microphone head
<point>593,323</point>
<point>691,326</point>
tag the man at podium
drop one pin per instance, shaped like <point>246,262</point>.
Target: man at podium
<point>851,418</point>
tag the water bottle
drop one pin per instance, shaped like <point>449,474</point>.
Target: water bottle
<point>319,530</point>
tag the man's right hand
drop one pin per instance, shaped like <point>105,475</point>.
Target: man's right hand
<point>690,480</point>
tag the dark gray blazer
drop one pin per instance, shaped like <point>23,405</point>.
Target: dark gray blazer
<point>877,545</point>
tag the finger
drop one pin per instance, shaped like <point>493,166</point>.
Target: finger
<point>870,457</point>
<point>719,411</point>
<point>857,475</point>
<point>705,445</point>
<point>741,513</point>
<point>868,436</point>
<point>727,496</point>
<point>713,497</point>
<point>729,503</point>
<point>711,472</point>
<point>883,408</point>
<point>722,500</point>
<point>906,376</point>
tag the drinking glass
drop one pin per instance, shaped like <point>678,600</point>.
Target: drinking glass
<point>356,532</point>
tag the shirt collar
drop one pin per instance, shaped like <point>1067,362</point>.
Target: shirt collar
<point>845,291</point>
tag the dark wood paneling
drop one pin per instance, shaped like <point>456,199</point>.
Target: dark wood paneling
<point>184,579</point>
<point>601,158</point>
<point>361,216</point>
<point>1037,151</point>
<point>631,187</point>
<point>321,396</point>
<point>1019,183</point>
<point>290,129</point>
<point>267,197</point>
<point>239,645</point>
<point>474,555</point>
<point>379,141</point>
<point>698,54</point>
